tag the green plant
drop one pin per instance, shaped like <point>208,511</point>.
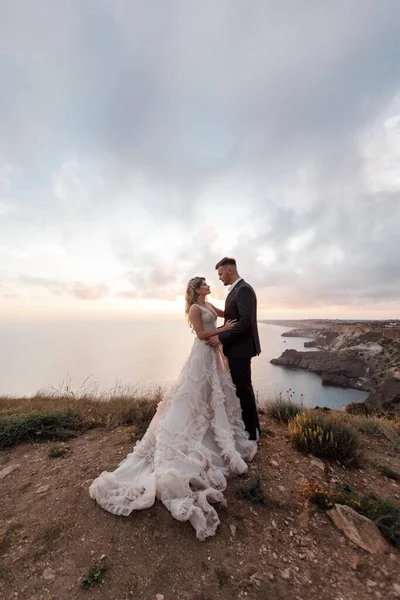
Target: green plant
<point>36,426</point>
<point>94,577</point>
<point>253,491</point>
<point>58,451</point>
<point>324,436</point>
<point>388,472</point>
<point>358,408</point>
<point>283,410</point>
<point>368,425</point>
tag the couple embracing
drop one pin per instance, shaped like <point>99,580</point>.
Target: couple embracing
<point>206,427</point>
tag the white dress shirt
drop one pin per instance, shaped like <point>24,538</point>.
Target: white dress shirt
<point>230,288</point>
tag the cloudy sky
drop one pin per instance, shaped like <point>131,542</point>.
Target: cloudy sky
<point>142,141</point>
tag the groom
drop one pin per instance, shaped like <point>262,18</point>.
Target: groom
<point>241,342</point>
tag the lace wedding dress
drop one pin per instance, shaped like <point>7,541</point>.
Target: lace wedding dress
<point>195,440</point>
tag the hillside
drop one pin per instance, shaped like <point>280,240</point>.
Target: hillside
<point>52,533</point>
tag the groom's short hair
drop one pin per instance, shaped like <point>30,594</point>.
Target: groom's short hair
<point>225,262</point>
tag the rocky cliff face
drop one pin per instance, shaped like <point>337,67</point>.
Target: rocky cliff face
<point>386,396</point>
<point>344,369</point>
<point>360,356</point>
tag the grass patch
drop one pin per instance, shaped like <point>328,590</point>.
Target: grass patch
<point>389,473</point>
<point>358,408</point>
<point>384,513</point>
<point>50,534</point>
<point>7,537</point>
<point>94,577</point>
<point>253,491</point>
<point>60,417</point>
<point>58,451</point>
<point>366,424</point>
<point>94,411</point>
<point>222,576</point>
<point>36,426</point>
<point>324,436</point>
<point>283,410</point>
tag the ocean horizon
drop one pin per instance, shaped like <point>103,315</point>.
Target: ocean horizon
<point>105,356</point>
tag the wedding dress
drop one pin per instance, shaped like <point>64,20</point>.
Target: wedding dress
<point>195,440</point>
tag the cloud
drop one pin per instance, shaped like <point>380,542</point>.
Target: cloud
<point>141,143</point>
<point>78,289</point>
<point>90,292</point>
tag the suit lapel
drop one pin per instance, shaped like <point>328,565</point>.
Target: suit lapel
<point>233,292</point>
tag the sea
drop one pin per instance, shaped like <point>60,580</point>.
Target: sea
<point>108,357</point>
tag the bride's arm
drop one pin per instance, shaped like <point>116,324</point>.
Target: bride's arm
<point>195,319</point>
<point>219,312</point>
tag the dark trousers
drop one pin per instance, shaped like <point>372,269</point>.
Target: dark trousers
<point>241,376</point>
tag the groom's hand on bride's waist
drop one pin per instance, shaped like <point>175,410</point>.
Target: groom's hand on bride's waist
<point>213,341</point>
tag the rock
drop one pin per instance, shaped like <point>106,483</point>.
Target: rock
<point>159,596</point>
<point>274,463</point>
<point>7,470</point>
<point>371,584</point>
<point>396,588</point>
<point>316,462</point>
<point>360,530</point>
<point>304,518</point>
<point>257,579</point>
<point>233,530</point>
<point>42,489</point>
<point>285,574</point>
<point>48,574</point>
<point>386,396</point>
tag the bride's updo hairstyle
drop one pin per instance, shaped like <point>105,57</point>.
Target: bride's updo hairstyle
<point>192,292</point>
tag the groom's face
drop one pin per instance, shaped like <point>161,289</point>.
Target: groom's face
<point>225,274</point>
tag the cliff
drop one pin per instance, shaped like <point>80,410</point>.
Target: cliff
<point>363,355</point>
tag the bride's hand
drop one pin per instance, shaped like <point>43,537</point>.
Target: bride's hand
<point>230,323</point>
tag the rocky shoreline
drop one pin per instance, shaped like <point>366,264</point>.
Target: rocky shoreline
<point>360,355</point>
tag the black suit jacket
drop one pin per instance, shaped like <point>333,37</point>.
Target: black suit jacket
<point>242,340</point>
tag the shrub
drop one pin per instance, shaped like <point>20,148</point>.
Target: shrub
<point>324,436</point>
<point>253,491</point>
<point>35,426</point>
<point>94,577</point>
<point>58,451</point>
<point>283,410</point>
<point>358,408</point>
<point>389,473</point>
<point>367,425</point>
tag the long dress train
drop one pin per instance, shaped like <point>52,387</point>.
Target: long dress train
<point>195,440</point>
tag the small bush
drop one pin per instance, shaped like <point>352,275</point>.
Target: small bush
<point>253,491</point>
<point>58,451</point>
<point>94,577</point>
<point>358,408</point>
<point>365,424</point>
<point>389,473</point>
<point>324,436</point>
<point>283,410</point>
<point>35,426</point>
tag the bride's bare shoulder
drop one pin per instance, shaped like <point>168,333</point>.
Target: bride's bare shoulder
<point>194,310</point>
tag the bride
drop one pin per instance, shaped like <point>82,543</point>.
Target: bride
<point>195,440</point>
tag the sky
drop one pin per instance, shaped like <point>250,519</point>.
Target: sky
<point>142,141</point>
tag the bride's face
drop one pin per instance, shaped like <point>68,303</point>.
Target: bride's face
<point>204,289</point>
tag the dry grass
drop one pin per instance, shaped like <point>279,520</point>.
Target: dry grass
<point>95,410</point>
<point>20,418</point>
<point>373,425</point>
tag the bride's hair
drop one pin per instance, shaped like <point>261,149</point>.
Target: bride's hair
<point>192,292</point>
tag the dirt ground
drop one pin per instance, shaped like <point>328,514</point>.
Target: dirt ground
<point>52,533</point>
